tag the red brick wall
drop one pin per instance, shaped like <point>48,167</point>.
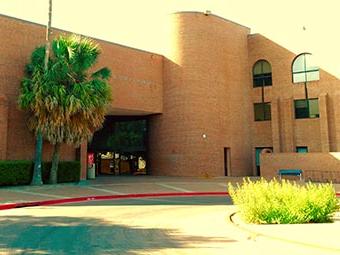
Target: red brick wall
<point>206,91</point>
<point>136,81</point>
<point>316,166</point>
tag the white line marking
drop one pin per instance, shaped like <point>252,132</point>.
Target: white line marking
<point>223,184</point>
<point>105,190</point>
<point>172,187</point>
<point>38,194</point>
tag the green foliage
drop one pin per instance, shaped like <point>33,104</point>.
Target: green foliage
<point>19,172</point>
<point>67,102</point>
<point>68,171</point>
<point>274,202</point>
<point>15,172</point>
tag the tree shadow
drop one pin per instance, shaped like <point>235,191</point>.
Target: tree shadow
<point>73,235</point>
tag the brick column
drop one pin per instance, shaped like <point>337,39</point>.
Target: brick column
<point>275,123</point>
<point>324,133</point>
<point>3,126</point>
<point>83,161</point>
<point>336,107</point>
<point>288,143</point>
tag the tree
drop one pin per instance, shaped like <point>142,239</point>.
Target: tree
<point>67,104</point>
<point>37,179</point>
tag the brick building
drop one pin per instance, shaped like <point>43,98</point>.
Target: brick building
<point>217,98</point>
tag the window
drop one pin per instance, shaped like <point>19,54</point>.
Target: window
<point>306,109</point>
<point>262,111</point>
<point>262,74</point>
<point>304,69</point>
<point>301,149</point>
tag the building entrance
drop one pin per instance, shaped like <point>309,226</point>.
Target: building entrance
<point>120,147</point>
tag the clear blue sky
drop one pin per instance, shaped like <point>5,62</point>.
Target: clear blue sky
<point>139,23</point>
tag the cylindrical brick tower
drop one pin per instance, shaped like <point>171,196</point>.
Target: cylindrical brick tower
<point>206,97</point>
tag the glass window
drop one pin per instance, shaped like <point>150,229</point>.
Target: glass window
<point>262,111</point>
<point>306,109</point>
<point>301,149</point>
<point>304,69</point>
<point>262,74</point>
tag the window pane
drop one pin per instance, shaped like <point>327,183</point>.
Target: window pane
<point>313,76</point>
<point>302,149</point>
<point>266,67</point>
<point>299,77</point>
<point>267,112</point>
<point>310,63</point>
<point>257,68</point>
<point>314,108</point>
<point>301,110</point>
<point>299,64</point>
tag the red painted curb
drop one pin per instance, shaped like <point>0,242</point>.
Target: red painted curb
<point>109,197</point>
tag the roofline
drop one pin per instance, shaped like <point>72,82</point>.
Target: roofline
<point>66,31</point>
<point>211,14</point>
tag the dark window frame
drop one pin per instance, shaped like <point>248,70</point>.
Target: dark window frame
<point>264,111</point>
<point>304,112</point>
<point>305,71</point>
<point>262,79</point>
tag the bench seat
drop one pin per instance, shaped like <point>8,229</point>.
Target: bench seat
<point>294,172</point>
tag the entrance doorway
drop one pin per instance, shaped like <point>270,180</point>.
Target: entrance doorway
<point>258,151</point>
<point>227,164</point>
<point>120,147</point>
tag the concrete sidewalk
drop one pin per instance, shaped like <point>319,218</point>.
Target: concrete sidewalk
<point>116,185</point>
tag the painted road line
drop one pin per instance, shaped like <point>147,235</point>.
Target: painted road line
<point>38,194</point>
<point>104,190</point>
<point>172,187</point>
<point>223,185</point>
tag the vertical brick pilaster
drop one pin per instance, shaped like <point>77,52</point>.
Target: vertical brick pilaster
<point>275,111</point>
<point>288,143</point>
<point>3,126</point>
<point>324,131</point>
<point>83,160</point>
<point>337,119</point>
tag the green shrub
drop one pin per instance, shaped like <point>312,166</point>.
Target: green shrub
<point>274,202</point>
<point>15,172</point>
<point>68,171</point>
<point>19,172</point>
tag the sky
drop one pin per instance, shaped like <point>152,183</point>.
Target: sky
<point>140,23</point>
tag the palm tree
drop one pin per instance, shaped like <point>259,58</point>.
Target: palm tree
<point>67,103</point>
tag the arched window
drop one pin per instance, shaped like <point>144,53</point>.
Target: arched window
<point>262,74</point>
<point>304,69</point>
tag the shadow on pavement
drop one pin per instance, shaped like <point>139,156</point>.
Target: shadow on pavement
<point>73,235</point>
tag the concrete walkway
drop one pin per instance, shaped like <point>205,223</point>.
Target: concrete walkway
<point>102,186</point>
<point>193,225</point>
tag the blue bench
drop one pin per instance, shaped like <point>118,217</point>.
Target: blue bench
<point>294,172</point>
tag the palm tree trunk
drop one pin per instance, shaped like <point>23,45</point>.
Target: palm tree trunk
<point>55,162</point>
<point>36,179</point>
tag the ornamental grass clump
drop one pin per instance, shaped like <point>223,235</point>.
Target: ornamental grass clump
<point>274,202</point>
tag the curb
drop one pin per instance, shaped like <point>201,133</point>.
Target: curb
<point>108,197</point>
<point>253,234</point>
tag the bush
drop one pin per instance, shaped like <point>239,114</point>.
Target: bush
<point>274,202</point>
<point>19,172</point>
<point>15,172</point>
<point>68,171</point>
